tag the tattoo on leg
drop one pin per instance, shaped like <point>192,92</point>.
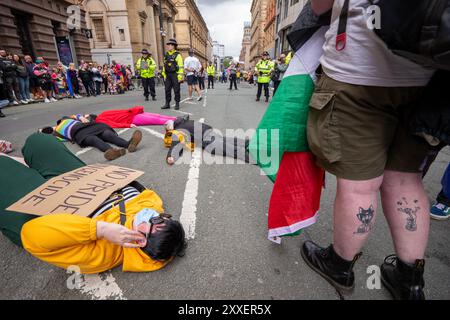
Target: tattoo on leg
<point>365,217</point>
<point>410,211</point>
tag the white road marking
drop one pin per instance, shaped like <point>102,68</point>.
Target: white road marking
<point>188,102</point>
<point>83,151</point>
<point>189,209</point>
<point>183,112</point>
<point>204,102</point>
<point>153,132</point>
<point>101,287</point>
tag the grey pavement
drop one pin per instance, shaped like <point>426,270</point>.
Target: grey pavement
<point>230,257</point>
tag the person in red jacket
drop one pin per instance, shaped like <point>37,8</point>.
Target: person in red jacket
<point>130,118</point>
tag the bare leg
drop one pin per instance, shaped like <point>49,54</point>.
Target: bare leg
<point>190,92</point>
<point>406,207</point>
<point>355,209</point>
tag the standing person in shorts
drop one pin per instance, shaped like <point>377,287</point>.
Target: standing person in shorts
<point>192,67</point>
<point>43,75</point>
<point>358,132</point>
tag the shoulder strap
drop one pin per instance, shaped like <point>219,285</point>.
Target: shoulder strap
<point>341,38</point>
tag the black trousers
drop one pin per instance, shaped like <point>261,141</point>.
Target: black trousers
<point>233,79</point>
<point>89,87</point>
<point>172,83</point>
<point>100,141</point>
<point>210,81</point>
<point>201,83</point>
<point>149,87</point>
<point>98,87</point>
<point>276,84</point>
<point>266,90</point>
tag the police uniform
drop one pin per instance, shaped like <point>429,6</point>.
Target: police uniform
<point>264,68</point>
<point>173,73</point>
<point>211,73</point>
<point>146,68</point>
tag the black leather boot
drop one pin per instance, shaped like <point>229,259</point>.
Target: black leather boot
<point>177,106</point>
<point>166,106</point>
<point>404,281</point>
<point>327,263</point>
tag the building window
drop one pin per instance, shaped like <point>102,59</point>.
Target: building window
<point>122,34</point>
<point>22,21</point>
<point>286,9</point>
<point>142,31</point>
<point>99,29</point>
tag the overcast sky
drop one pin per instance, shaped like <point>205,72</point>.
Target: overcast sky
<point>225,20</point>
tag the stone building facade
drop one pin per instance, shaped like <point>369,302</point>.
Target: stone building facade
<point>270,27</point>
<point>44,28</point>
<point>122,28</point>
<point>246,45</point>
<point>259,13</point>
<point>287,12</point>
<point>192,31</point>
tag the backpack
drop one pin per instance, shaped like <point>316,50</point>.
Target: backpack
<point>170,62</point>
<point>415,29</point>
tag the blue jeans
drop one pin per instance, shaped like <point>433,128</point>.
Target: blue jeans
<point>24,87</point>
<point>3,103</point>
<point>444,196</point>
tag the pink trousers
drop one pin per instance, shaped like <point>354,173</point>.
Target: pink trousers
<point>151,119</point>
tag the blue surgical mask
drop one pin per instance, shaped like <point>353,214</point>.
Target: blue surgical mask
<point>144,216</point>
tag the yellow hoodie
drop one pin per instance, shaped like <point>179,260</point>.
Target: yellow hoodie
<point>66,240</point>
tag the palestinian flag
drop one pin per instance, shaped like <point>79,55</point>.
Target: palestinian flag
<point>280,146</point>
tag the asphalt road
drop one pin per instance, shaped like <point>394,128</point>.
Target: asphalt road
<point>229,256</point>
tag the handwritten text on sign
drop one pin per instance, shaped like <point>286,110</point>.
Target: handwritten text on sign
<point>79,192</point>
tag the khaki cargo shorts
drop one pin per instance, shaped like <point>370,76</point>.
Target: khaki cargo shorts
<point>357,132</point>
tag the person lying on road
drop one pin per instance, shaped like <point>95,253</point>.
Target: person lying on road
<point>86,133</point>
<point>142,239</point>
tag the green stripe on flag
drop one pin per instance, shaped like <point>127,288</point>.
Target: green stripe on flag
<point>283,127</point>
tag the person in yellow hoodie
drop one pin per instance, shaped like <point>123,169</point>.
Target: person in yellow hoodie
<point>173,73</point>
<point>129,229</point>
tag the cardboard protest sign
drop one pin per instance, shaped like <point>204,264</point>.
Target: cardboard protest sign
<point>78,192</point>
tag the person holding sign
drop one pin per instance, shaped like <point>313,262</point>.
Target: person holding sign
<point>86,133</point>
<point>129,228</point>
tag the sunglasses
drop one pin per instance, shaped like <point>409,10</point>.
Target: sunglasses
<point>156,221</point>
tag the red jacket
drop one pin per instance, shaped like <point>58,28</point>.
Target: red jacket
<point>119,118</point>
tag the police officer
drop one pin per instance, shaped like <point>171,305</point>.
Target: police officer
<point>173,73</point>
<point>264,68</point>
<point>211,74</point>
<point>146,67</point>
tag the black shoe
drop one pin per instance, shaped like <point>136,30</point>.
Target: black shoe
<point>166,106</point>
<point>267,99</point>
<point>2,115</point>
<point>257,99</point>
<point>327,263</point>
<point>404,281</point>
<point>146,98</point>
<point>177,106</point>
<point>154,98</point>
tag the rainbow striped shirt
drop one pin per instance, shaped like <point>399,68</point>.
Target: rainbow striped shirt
<point>64,128</point>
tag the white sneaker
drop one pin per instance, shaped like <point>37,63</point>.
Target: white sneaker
<point>47,101</point>
<point>24,101</point>
<point>53,100</point>
<point>15,103</point>
<point>77,96</point>
<point>31,100</point>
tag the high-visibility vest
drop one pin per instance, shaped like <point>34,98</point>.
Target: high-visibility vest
<point>146,67</point>
<point>173,63</point>
<point>211,70</point>
<point>264,67</point>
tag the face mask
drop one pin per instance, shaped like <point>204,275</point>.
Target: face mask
<point>144,216</point>
<point>39,61</point>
